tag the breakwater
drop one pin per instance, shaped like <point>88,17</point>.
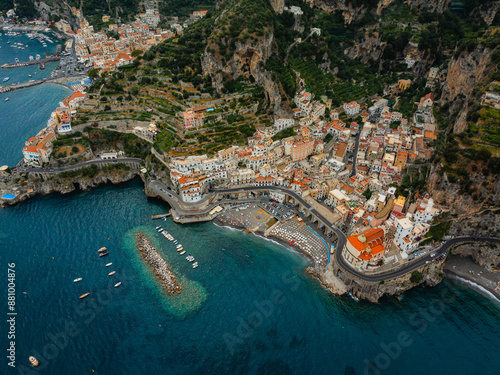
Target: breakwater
<point>160,268</point>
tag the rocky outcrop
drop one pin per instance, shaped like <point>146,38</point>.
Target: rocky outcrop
<point>486,255</point>
<point>65,186</point>
<point>465,73</point>
<point>278,5</point>
<point>248,60</point>
<point>431,275</point>
<point>370,47</point>
<point>438,6</point>
<point>331,6</point>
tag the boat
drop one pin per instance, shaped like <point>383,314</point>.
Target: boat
<point>178,245</point>
<point>180,248</point>
<point>29,75</point>
<point>158,227</point>
<point>111,273</point>
<point>6,99</point>
<point>34,361</point>
<point>103,254</point>
<point>182,252</point>
<point>118,284</point>
<point>84,295</point>
<point>77,280</point>
<point>195,264</point>
<point>6,79</point>
<point>190,258</point>
<point>109,264</point>
<point>102,250</point>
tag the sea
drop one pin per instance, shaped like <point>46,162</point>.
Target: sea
<point>248,308</point>
<point>27,110</point>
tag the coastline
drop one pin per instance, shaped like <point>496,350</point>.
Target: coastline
<point>475,277</point>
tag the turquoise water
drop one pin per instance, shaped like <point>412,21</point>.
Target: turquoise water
<point>27,110</point>
<point>260,314</point>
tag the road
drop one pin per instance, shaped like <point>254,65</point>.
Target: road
<point>413,265</point>
<point>21,168</point>
<point>342,240</point>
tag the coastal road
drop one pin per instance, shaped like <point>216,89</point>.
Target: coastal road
<point>21,168</point>
<point>342,240</point>
<point>413,265</point>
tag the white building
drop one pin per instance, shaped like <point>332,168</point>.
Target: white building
<point>351,108</point>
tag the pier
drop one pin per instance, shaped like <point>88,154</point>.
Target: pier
<point>154,217</point>
<point>32,62</point>
<point>58,81</point>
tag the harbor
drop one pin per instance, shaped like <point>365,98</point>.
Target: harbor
<point>161,269</point>
<point>31,62</point>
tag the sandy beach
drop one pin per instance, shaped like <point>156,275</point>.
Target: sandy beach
<point>465,268</point>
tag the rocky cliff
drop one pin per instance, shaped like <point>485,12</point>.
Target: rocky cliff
<point>432,274</point>
<point>65,186</point>
<point>248,60</point>
<point>465,73</point>
<point>487,255</point>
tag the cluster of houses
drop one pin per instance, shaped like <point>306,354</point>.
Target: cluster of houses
<point>37,149</point>
<point>98,50</point>
<point>355,173</point>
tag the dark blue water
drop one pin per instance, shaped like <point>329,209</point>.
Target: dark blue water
<point>249,308</point>
<point>27,110</point>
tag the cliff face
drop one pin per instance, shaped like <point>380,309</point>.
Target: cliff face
<point>464,74</point>
<point>349,12</point>
<point>248,60</point>
<point>370,47</point>
<point>37,187</point>
<point>432,275</point>
<point>486,255</point>
<point>438,6</point>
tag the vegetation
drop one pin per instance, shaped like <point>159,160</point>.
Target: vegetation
<point>416,277</point>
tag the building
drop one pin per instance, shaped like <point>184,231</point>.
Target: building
<point>283,123</point>
<point>193,119</point>
<point>351,108</point>
<point>301,150</point>
<point>365,247</point>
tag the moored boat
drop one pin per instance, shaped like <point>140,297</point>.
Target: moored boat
<point>102,250</point>
<point>103,254</point>
<point>109,264</point>
<point>111,273</point>
<point>84,295</point>
<point>77,280</point>
<point>34,361</point>
<point>195,264</point>
<point>182,252</point>
<point>118,284</point>
<point>180,248</point>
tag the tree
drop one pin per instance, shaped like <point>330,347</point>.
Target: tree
<point>75,150</point>
<point>367,193</point>
<point>93,73</point>
<point>416,277</point>
<point>136,52</point>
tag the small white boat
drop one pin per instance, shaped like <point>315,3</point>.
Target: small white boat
<point>6,99</point>
<point>182,252</point>
<point>77,280</point>
<point>111,273</point>
<point>109,264</point>
<point>118,284</point>
<point>195,265</point>
<point>102,250</point>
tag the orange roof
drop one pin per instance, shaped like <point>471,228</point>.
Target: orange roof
<point>76,95</point>
<point>365,256</point>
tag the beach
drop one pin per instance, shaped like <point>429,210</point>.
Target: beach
<point>465,268</point>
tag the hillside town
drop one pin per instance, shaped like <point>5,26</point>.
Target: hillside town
<point>355,173</point>
<point>112,47</point>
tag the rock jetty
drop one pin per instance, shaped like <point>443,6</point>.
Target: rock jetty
<point>161,269</point>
